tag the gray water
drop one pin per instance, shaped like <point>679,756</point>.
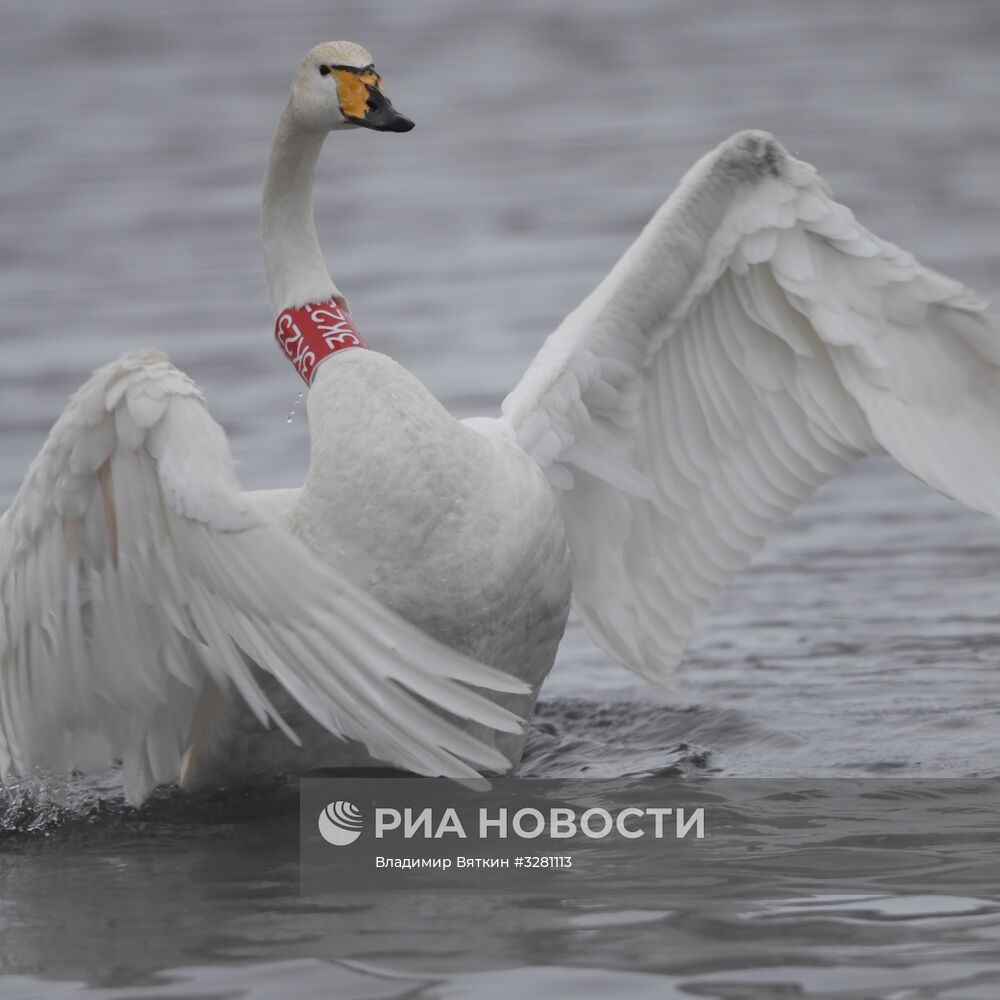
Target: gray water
<point>862,643</point>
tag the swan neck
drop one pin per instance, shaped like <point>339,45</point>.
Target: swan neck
<point>296,271</point>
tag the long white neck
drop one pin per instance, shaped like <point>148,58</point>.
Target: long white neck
<point>296,271</point>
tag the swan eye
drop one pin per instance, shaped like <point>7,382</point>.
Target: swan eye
<point>324,71</point>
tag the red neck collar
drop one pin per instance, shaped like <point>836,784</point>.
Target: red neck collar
<point>311,333</point>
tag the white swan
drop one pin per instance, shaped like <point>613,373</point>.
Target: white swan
<point>752,341</point>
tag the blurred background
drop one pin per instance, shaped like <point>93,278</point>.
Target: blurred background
<point>863,640</point>
<point>134,139</point>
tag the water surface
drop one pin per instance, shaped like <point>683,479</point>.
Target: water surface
<point>862,643</point>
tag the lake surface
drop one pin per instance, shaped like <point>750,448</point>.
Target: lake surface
<point>862,644</point>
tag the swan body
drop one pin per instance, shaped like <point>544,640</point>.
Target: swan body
<point>753,341</point>
<point>456,531</point>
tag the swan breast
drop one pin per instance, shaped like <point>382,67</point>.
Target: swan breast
<point>456,530</point>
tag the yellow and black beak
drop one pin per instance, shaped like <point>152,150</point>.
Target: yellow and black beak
<point>363,103</point>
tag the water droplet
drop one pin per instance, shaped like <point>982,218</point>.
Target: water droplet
<point>295,406</point>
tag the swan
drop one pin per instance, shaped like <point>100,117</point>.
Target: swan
<point>404,605</point>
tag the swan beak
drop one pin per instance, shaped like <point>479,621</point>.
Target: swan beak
<point>363,103</point>
<point>381,116</point>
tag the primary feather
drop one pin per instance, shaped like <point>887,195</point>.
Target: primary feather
<point>133,567</point>
<point>752,341</point>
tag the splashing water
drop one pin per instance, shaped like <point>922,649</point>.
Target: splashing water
<point>295,406</point>
<point>42,805</point>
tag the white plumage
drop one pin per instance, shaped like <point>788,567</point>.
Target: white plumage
<point>752,341</point>
<point>134,568</point>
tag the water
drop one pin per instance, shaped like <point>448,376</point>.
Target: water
<point>861,644</point>
<point>295,406</point>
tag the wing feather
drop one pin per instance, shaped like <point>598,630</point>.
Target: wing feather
<point>753,341</point>
<point>132,567</point>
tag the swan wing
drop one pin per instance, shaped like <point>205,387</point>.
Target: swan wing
<point>752,341</point>
<point>132,567</point>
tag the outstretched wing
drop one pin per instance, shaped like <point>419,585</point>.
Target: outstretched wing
<point>132,566</point>
<point>753,340</point>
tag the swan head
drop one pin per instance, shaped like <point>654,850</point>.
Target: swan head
<point>337,87</point>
